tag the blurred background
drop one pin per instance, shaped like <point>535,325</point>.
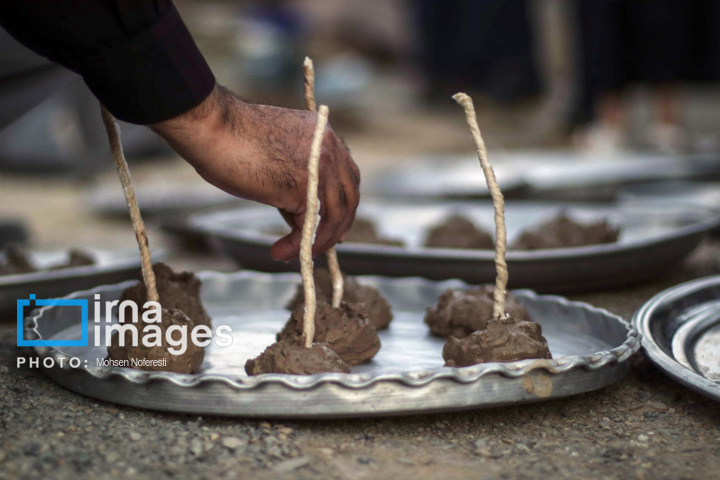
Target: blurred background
<point>564,89</point>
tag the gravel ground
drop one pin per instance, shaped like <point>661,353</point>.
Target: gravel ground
<point>645,426</point>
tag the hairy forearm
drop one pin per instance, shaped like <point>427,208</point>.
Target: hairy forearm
<point>231,142</point>
<point>209,133</point>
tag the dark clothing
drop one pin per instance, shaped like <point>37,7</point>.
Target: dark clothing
<point>645,41</point>
<point>481,45</point>
<point>136,56</point>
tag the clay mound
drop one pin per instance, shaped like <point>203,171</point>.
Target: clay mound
<point>562,232</point>
<point>377,308</point>
<point>458,232</point>
<point>459,313</point>
<point>179,291</point>
<point>346,330</point>
<point>292,358</point>
<point>505,340</point>
<point>187,362</point>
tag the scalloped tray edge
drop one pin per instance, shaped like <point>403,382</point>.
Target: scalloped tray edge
<point>462,375</point>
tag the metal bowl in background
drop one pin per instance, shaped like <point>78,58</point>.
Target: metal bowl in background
<point>539,174</point>
<point>681,333</point>
<point>675,194</point>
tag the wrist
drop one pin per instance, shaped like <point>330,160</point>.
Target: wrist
<point>202,119</point>
<point>209,134</point>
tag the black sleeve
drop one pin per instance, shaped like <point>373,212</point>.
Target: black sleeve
<point>136,56</point>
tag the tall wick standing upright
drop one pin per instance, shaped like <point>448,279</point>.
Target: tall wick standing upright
<point>137,221</point>
<point>332,259</point>
<point>498,203</point>
<point>310,227</point>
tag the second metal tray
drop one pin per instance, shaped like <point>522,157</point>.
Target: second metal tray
<point>653,239</point>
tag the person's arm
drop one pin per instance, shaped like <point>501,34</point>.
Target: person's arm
<point>141,62</point>
<point>136,56</point>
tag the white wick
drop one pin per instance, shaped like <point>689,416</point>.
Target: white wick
<point>137,221</point>
<point>331,254</point>
<point>498,203</point>
<point>309,228</point>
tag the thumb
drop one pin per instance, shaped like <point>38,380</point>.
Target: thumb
<point>288,247</point>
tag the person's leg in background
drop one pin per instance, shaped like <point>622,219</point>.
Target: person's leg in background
<point>598,112</point>
<point>661,53</point>
<point>479,45</point>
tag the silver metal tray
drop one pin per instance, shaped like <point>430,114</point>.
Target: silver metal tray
<point>538,173</point>
<point>653,240</point>
<point>681,333</point>
<point>110,266</point>
<point>590,346</point>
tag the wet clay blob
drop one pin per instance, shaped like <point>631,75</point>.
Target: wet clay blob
<point>179,295</point>
<point>16,261</point>
<point>364,231</point>
<point>563,232</point>
<point>346,330</point>
<point>458,232</point>
<point>377,308</point>
<point>504,340</point>
<point>187,362</point>
<point>176,291</point>
<point>293,358</point>
<point>77,258</point>
<point>459,313</point>
<point>361,231</point>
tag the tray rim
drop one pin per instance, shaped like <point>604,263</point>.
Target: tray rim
<point>671,367</point>
<point>204,226</point>
<point>418,378</point>
<point>69,273</point>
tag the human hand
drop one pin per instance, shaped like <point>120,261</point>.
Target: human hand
<point>260,153</point>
